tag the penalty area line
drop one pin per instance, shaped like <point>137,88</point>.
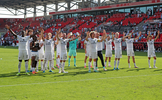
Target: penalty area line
<point>78,80</point>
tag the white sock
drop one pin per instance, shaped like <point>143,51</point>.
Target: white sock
<point>63,65</point>
<point>30,67</point>
<point>154,62</point>
<point>105,62</point>
<point>44,65</point>
<point>134,64</point>
<point>89,65</point>
<point>60,65</point>
<point>109,62</point>
<point>84,64</point>
<point>149,62</point>
<point>19,67</point>
<point>114,63</point>
<point>41,65</point>
<point>58,61</point>
<point>128,64</point>
<point>33,69</point>
<point>94,64</point>
<point>26,66</point>
<point>118,63</point>
<point>50,65</point>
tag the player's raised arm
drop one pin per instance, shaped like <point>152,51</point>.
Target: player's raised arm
<point>138,36</point>
<point>8,27</point>
<point>87,36</point>
<point>148,35</point>
<point>58,32</point>
<point>42,34</point>
<point>124,37</point>
<point>103,36</point>
<point>112,35</point>
<point>157,35</point>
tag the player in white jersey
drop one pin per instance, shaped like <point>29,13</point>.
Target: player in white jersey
<point>93,48</point>
<point>41,53</point>
<point>63,55</point>
<point>23,52</point>
<point>53,51</point>
<point>48,50</point>
<point>118,49</point>
<point>108,52</point>
<point>151,49</point>
<point>29,32</point>
<point>129,43</point>
<point>86,47</point>
<point>58,49</point>
<point>99,49</point>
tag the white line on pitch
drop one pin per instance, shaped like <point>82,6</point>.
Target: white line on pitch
<point>77,80</point>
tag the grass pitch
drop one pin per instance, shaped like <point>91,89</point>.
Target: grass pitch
<point>125,84</point>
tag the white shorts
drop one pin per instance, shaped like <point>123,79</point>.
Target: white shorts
<point>58,52</point>
<point>87,53</point>
<point>93,55</point>
<point>63,55</point>
<point>118,53</point>
<point>29,53</point>
<point>36,54</point>
<point>130,52</point>
<point>48,56</point>
<point>151,53</point>
<point>41,55</point>
<point>108,53</point>
<point>23,55</point>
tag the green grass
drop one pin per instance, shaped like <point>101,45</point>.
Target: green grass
<point>126,84</point>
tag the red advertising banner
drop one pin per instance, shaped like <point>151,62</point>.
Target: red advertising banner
<point>109,6</point>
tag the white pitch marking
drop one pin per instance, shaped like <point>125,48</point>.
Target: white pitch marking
<point>77,80</point>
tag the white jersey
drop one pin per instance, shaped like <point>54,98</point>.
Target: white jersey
<point>108,44</point>
<point>64,44</point>
<point>53,46</point>
<point>87,45</point>
<point>48,45</point>
<point>150,44</point>
<point>129,43</point>
<point>93,44</point>
<point>117,43</point>
<point>30,40</point>
<point>99,45</point>
<point>58,46</point>
<point>23,42</point>
<point>42,48</point>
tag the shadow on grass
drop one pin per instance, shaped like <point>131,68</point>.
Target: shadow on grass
<point>137,69</point>
<point>158,70</point>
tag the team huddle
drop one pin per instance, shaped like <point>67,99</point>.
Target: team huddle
<point>41,47</point>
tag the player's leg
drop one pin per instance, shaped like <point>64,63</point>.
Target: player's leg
<point>33,64</point>
<point>74,55</point>
<point>50,66</point>
<point>69,61</point>
<point>89,64</point>
<point>94,65</point>
<point>149,62</point>
<point>115,63</point>
<point>63,67</point>
<point>102,60</point>
<point>41,64</point>
<point>129,62</point>
<point>133,58</point>
<point>44,65</point>
<point>85,59</point>
<point>106,61</point>
<point>118,64</point>
<point>155,62</point>
<point>19,67</point>
<point>109,62</point>
<point>37,66</point>
<point>58,61</point>
<point>60,66</point>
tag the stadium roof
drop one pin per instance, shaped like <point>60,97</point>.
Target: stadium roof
<point>21,4</point>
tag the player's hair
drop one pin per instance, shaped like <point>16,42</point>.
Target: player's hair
<point>92,33</point>
<point>117,33</point>
<point>30,30</point>
<point>151,36</point>
<point>49,34</point>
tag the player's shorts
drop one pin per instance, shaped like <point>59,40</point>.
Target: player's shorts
<point>58,52</point>
<point>63,55</point>
<point>48,56</point>
<point>41,55</point>
<point>23,55</point>
<point>72,52</point>
<point>36,54</point>
<point>108,53</point>
<point>130,52</point>
<point>29,53</point>
<point>87,53</point>
<point>118,53</point>
<point>151,53</point>
<point>93,55</point>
